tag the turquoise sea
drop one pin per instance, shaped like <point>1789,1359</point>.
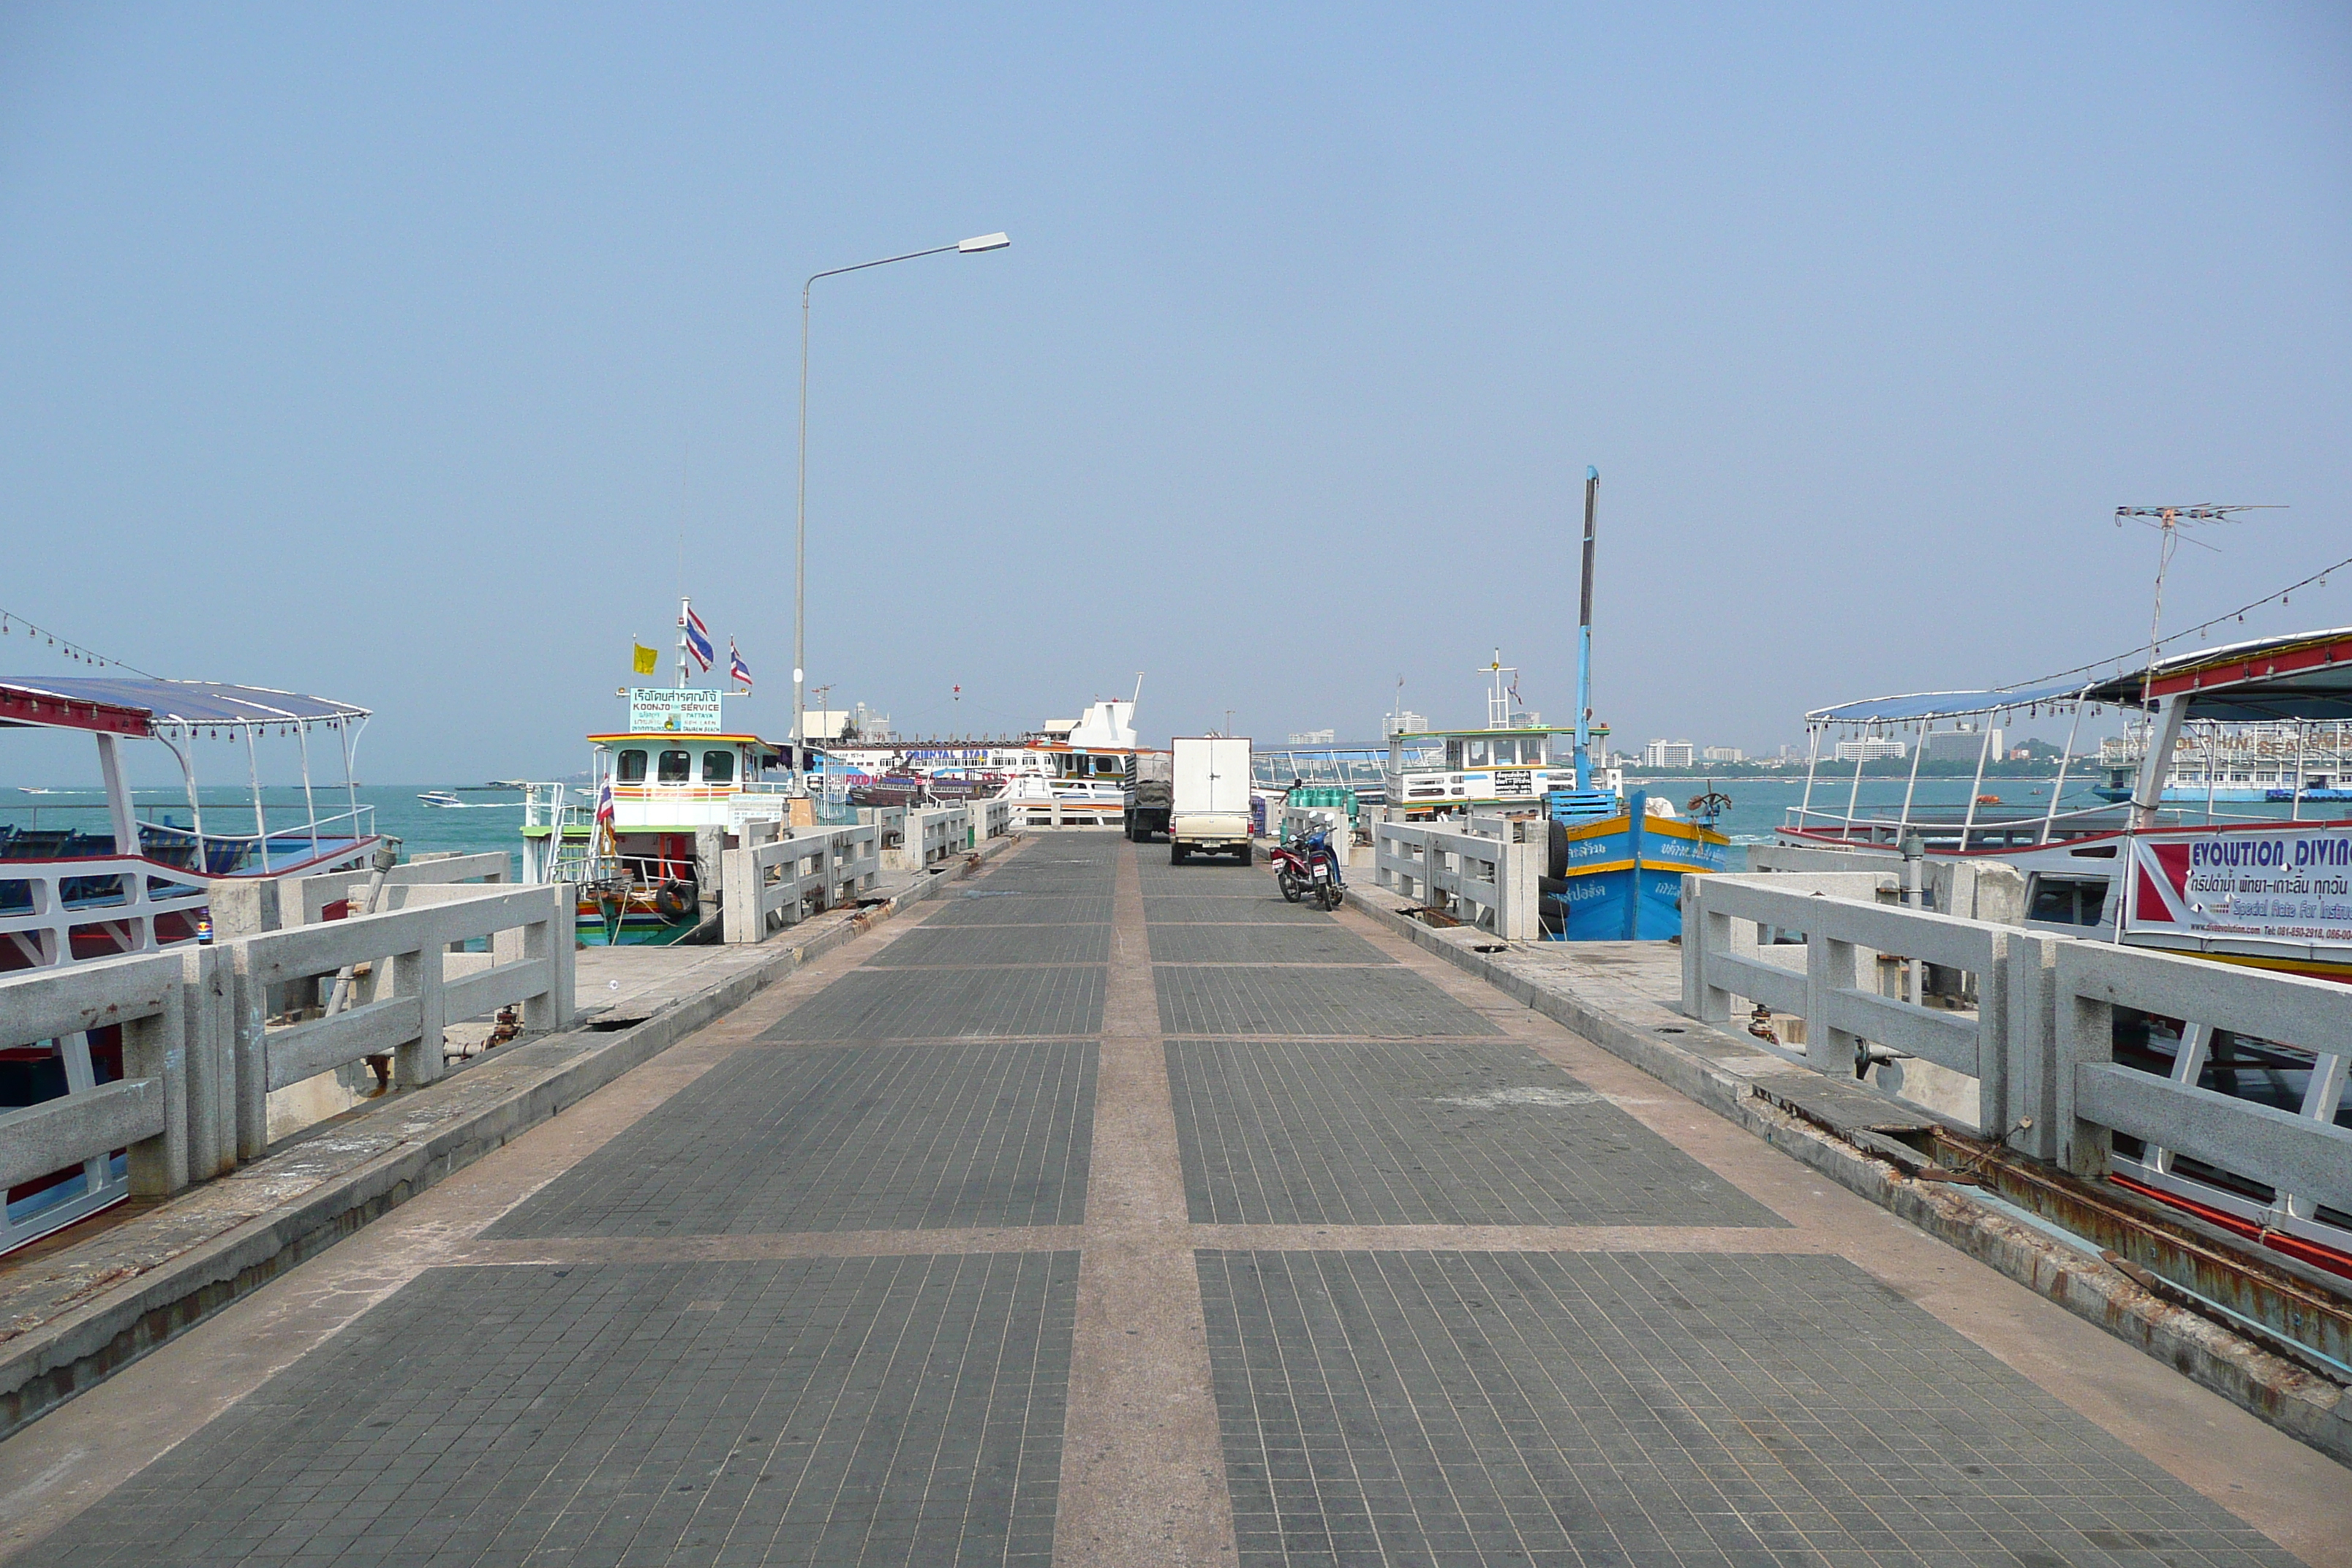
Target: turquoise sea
<point>421,829</point>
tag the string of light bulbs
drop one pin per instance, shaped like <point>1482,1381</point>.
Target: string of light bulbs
<point>2279,596</point>
<point>12,624</point>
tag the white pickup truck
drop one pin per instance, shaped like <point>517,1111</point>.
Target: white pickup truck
<point>1209,810</point>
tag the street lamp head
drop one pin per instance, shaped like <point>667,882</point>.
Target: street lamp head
<point>984,242</point>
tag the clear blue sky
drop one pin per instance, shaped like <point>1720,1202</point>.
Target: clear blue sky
<point>386,350</point>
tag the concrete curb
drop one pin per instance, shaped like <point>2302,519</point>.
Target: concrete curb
<point>2306,1407</point>
<point>80,1348</point>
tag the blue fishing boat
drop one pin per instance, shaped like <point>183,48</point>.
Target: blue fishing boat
<point>1618,862</point>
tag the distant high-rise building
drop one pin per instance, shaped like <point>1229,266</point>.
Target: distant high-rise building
<point>1871,749</point>
<point>1723,754</point>
<point>1313,736</point>
<point>1964,744</point>
<point>1669,755</point>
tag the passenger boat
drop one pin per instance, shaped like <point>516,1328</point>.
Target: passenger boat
<point>1508,763</point>
<point>116,876</point>
<point>2218,764</point>
<point>1074,771</point>
<point>630,837</point>
<point>2264,886</point>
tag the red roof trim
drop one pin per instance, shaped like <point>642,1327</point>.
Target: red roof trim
<point>21,705</point>
<point>2222,674</point>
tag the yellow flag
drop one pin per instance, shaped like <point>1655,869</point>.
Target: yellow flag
<point>648,659</point>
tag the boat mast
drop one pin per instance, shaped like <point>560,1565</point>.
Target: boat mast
<point>1584,641</point>
<point>685,608</point>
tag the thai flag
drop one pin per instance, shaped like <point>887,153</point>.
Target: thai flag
<point>604,804</point>
<point>736,668</point>
<point>698,639</point>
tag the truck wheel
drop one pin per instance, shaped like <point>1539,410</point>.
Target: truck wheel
<point>1177,854</point>
<point>1247,852</point>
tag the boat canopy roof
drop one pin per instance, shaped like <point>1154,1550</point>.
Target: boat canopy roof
<point>2304,676</point>
<point>1926,705</point>
<point>146,706</point>
<point>2301,675</point>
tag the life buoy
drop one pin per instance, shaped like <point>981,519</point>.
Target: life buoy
<point>674,901</point>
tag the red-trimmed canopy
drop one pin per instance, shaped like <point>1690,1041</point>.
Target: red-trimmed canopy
<point>2304,676</point>
<point>143,707</point>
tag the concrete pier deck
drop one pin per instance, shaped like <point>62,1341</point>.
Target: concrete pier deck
<point>1106,1212</point>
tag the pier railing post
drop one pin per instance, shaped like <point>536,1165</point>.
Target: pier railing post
<point>155,1047</point>
<point>208,984</point>
<point>1830,966</point>
<point>418,973</point>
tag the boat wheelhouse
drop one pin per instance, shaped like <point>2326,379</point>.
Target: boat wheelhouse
<point>629,837</point>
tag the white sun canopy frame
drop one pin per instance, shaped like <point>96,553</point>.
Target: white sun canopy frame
<point>176,712</point>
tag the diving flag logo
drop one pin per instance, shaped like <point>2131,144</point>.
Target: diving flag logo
<point>644,661</point>
<point>736,668</point>
<point>698,639</point>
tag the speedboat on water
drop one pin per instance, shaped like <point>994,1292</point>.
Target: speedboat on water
<point>441,798</point>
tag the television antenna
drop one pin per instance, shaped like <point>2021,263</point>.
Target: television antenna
<point>2168,523</point>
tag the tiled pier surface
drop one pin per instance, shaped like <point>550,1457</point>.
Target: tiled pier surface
<point>1117,1213</point>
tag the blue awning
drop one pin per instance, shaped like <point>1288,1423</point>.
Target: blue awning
<point>1921,706</point>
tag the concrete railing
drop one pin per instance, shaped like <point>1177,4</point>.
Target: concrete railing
<point>201,1051</point>
<point>769,886</point>
<point>146,1109</point>
<point>1489,883</point>
<point>890,819</point>
<point>1833,981</point>
<point>316,895</point>
<point>2302,1154</point>
<point>2039,1042</point>
<point>417,986</point>
<point>933,835</point>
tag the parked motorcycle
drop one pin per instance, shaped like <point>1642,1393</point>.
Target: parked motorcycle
<point>1309,868</point>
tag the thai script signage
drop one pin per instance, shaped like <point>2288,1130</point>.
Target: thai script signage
<point>683,708</point>
<point>2291,883</point>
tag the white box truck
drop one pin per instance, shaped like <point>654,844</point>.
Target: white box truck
<point>1209,809</point>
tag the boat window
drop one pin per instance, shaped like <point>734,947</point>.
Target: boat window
<point>1473,753</point>
<point>676,767</point>
<point>632,768</point>
<point>718,767</point>
<point>2066,901</point>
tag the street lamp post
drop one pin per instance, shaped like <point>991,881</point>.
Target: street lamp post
<point>800,540</point>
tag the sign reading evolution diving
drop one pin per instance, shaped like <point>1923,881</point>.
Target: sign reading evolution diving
<point>683,708</point>
<point>2291,883</point>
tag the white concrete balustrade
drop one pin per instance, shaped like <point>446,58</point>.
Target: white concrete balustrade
<point>2040,1041</point>
<point>1485,881</point>
<point>416,985</point>
<point>773,882</point>
<point>202,1047</point>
